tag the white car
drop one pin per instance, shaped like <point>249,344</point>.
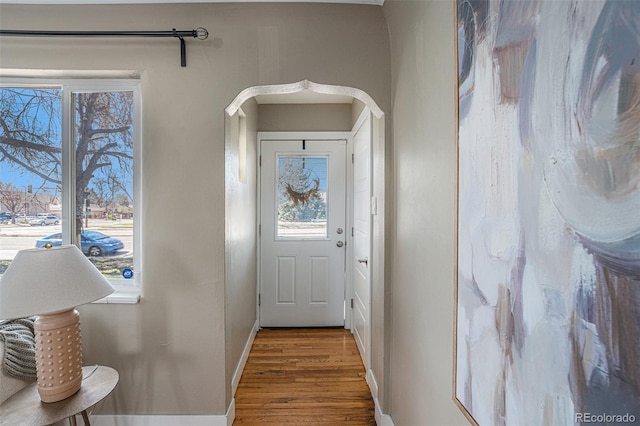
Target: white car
<point>44,219</point>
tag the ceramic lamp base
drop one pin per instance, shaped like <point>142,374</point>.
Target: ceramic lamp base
<point>58,355</point>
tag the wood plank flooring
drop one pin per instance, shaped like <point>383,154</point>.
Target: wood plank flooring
<point>304,377</point>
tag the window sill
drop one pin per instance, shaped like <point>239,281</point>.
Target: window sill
<point>121,297</point>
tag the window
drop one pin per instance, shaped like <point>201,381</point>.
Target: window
<point>302,197</point>
<point>69,170</point>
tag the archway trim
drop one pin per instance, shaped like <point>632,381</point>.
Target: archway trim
<point>284,89</point>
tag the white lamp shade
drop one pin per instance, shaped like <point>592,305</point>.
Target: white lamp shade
<point>42,281</point>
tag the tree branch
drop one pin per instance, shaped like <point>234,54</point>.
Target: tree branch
<point>29,168</point>
<point>107,131</point>
<point>19,143</point>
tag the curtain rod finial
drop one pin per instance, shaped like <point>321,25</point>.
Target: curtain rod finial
<point>201,33</point>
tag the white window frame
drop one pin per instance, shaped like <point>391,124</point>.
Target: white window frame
<point>127,290</point>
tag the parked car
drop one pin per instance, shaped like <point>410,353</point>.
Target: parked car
<point>21,218</point>
<point>44,219</point>
<point>5,217</point>
<point>93,243</point>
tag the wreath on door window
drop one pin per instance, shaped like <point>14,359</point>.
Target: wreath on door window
<point>303,197</point>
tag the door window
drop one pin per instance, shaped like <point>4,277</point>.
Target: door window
<point>301,202</point>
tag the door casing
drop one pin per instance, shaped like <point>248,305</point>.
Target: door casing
<point>361,259</point>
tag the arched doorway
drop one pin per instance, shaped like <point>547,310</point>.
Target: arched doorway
<point>241,178</point>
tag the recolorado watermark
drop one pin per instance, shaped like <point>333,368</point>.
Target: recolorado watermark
<point>605,418</point>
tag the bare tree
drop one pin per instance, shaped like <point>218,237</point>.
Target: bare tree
<point>12,198</point>
<point>30,139</point>
<point>104,140</point>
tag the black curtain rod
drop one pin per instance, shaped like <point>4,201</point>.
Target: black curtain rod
<point>199,33</point>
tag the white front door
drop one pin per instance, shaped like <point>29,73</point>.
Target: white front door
<point>302,233</point>
<point>362,236</point>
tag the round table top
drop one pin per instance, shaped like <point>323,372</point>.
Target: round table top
<point>26,408</point>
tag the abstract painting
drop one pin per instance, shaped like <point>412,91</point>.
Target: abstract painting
<point>548,227</point>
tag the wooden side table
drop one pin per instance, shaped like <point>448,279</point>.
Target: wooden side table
<point>26,408</point>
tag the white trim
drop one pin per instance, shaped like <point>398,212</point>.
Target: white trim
<point>381,418</point>
<point>67,74</point>
<point>360,121</point>
<point>121,297</point>
<point>235,380</point>
<point>160,420</point>
<point>348,265</point>
<point>72,85</point>
<point>373,383</point>
<point>361,118</point>
<point>231,412</point>
<point>284,89</point>
<point>379,253</point>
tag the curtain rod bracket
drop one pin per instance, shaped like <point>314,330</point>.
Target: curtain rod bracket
<point>183,48</point>
<point>199,33</point>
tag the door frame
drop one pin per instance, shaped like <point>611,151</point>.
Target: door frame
<point>359,123</point>
<point>310,135</point>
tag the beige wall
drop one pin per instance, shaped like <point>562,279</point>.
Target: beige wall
<point>240,238</point>
<point>170,349</point>
<point>304,117</point>
<point>356,109</point>
<point>423,92</point>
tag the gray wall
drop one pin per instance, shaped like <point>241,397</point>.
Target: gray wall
<point>356,109</point>
<point>240,239</point>
<point>424,96</point>
<point>170,349</point>
<point>304,117</point>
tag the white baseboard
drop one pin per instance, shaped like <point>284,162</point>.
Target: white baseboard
<point>231,412</point>
<point>167,420</point>
<point>381,418</point>
<point>158,420</point>
<point>243,359</point>
<point>373,383</point>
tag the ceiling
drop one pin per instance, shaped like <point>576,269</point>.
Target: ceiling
<point>371,2</point>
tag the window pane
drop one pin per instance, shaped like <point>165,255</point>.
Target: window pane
<point>30,168</point>
<point>104,179</point>
<point>302,197</point>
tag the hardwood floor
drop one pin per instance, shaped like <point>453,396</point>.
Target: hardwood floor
<point>306,377</point>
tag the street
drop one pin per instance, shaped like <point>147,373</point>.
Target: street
<point>19,237</point>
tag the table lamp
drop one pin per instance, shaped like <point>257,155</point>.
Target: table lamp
<point>51,282</point>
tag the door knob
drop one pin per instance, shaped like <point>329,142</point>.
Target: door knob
<point>340,244</point>
<point>365,261</point>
